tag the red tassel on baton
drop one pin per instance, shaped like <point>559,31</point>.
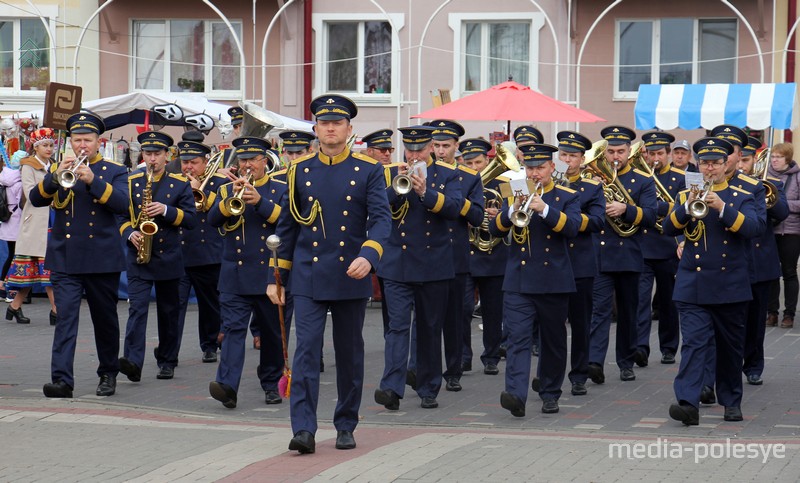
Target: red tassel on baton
<point>285,384</point>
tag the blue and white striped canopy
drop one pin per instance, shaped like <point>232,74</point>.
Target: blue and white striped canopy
<point>693,106</point>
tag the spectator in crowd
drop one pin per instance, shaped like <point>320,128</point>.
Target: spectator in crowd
<point>10,179</point>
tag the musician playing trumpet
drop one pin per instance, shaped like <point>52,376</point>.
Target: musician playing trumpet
<point>538,281</point>
<point>712,286</point>
<point>170,206</point>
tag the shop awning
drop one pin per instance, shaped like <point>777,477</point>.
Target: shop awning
<point>693,106</point>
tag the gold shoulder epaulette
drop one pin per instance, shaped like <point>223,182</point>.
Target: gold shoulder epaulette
<point>445,165</point>
<point>676,170</point>
<point>391,165</point>
<point>218,175</point>
<point>503,179</point>
<point>304,158</point>
<point>466,169</point>
<point>736,188</point>
<point>112,162</point>
<point>564,188</point>
<point>590,181</point>
<point>364,157</point>
<point>641,173</point>
<point>178,176</point>
<point>683,195</point>
<point>280,172</point>
<point>136,175</point>
<point>747,178</point>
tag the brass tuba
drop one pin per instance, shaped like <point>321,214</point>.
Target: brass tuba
<point>760,170</point>
<point>637,160</point>
<point>257,121</point>
<point>613,188</point>
<point>503,161</point>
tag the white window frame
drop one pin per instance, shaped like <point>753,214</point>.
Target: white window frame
<point>655,53</point>
<point>208,68</point>
<point>319,24</point>
<point>456,23</point>
<point>15,14</point>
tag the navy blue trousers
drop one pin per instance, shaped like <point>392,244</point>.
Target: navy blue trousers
<point>663,273</point>
<point>491,293</point>
<point>348,345</point>
<point>167,309</point>
<point>580,316</point>
<point>703,327</point>
<point>204,280</point>
<point>426,301</point>
<point>520,310</point>
<point>755,328</point>
<point>101,296</point>
<point>625,286</point>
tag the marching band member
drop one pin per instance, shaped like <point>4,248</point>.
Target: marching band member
<point>620,258</point>
<point>712,285</point>
<point>767,267</point>
<point>246,224</point>
<point>527,135</point>
<point>160,202</point>
<point>487,267</point>
<point>660,258</point>
<point>296,144</point>
<point>445,137</point>
<point>379,145</point>
<point>237,118</point>
<point>333,230</point>
<point>84,224</point>
<point>538,281</point>
<point>202,249</point>
<point>582,254</point>
<point>417,268</point>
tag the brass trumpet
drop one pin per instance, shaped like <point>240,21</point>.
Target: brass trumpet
<point>211,168</point>
<point>69,177</point>
<point>401,184</point>
<point>522,217</point>
<point>235,205</point>
<point>698,208</point>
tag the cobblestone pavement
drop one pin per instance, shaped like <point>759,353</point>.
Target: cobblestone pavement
<point>173,431</point>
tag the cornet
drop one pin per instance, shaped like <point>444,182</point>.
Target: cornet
<point>235,205</point>
<point>401,184</point>
<point>522,217</point>
<point>698,208</point>
<point>69,177</point>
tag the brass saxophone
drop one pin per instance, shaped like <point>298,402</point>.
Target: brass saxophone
<point>147,227</point>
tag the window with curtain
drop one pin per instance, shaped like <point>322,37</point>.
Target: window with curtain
<point>359,57</point>
<point>24,54</point>
<point>674,51</point>
<point>493,52</point>
<point>186,56</point>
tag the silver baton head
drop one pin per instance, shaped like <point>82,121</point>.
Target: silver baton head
<point>273,242</point>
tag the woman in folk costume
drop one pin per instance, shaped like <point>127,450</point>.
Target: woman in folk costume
<point>27,269</point>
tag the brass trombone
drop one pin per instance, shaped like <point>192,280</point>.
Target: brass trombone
<point>69,177</point>
<point>235,205</point>
<point>637,160</point>
<point>211,168</point>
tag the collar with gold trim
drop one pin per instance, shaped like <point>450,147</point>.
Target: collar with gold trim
<point>624,169</point>
<point>549,186</point>
<point>335,159</point>
<point>719,186</point>
<point>261,181</point>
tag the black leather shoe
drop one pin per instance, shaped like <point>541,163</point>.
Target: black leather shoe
<point>57,389</point>
<point>668,358</point>
<point>429,403</point>
<point>165,372</point>
<point>754,379</point>
<point>466,366</point>
<point>627,374</point>
<point>707,395</point>
<point>579,389</point>
<point>53,318</point>
<point>535,350</point>
<point>513,404</point>
<point>733,413</point>
<point>223,393</point>
<point>453,385</point>
<point>107,386</point>
<point>345,440</point>
<point>640,358</point>
<point>491,369</point>
<point>17,314</point>
<point>272,397</point>
<point>685,413</point>
<point>388,398</point>
<point>411,378</point>
<point>596,373</point>
<point>210,356</point>
<point>130,369</point>
<point>536,384</point>
<point>303,442</point>
<point>550,406</point>
<point>502,351</point>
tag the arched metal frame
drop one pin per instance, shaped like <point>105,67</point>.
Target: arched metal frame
<point>786,47</point>
<point>213,7</point>
<point>617,2</point>
<point>53,54</point>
